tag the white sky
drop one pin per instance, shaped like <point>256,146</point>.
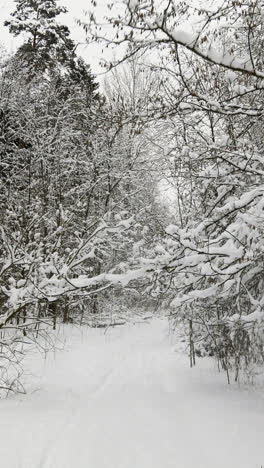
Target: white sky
<point>91,53</point>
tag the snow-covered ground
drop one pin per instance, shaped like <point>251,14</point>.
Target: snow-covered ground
<point>126,399</point>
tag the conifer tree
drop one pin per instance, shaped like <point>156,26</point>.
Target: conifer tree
<point>48,43</point>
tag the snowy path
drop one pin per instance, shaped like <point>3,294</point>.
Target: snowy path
<point>126,400</point>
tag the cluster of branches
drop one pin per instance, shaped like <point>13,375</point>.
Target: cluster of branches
<point>209,115</point>
<point>77,183</point>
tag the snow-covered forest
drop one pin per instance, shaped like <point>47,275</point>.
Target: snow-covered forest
<point>136,202</point>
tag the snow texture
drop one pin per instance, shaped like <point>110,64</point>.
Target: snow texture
<point>126,399</point>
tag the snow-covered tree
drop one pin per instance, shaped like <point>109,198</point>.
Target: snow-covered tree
<point>48,43</point>
<point>210,60</point>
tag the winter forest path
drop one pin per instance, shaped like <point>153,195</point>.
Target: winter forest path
<point>125,399</point>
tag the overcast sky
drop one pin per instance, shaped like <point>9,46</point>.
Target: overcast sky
<point>91,54</point>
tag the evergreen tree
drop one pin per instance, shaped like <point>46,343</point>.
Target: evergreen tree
<point>48,43</point>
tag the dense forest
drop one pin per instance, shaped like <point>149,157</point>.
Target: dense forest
<point>85,228</point>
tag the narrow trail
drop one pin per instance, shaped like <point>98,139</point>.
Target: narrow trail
<point>125,399</point>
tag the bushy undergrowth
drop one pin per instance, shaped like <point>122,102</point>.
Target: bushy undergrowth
<point>237,343</point>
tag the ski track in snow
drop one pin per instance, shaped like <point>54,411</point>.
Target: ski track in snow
<point>125,399</point>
